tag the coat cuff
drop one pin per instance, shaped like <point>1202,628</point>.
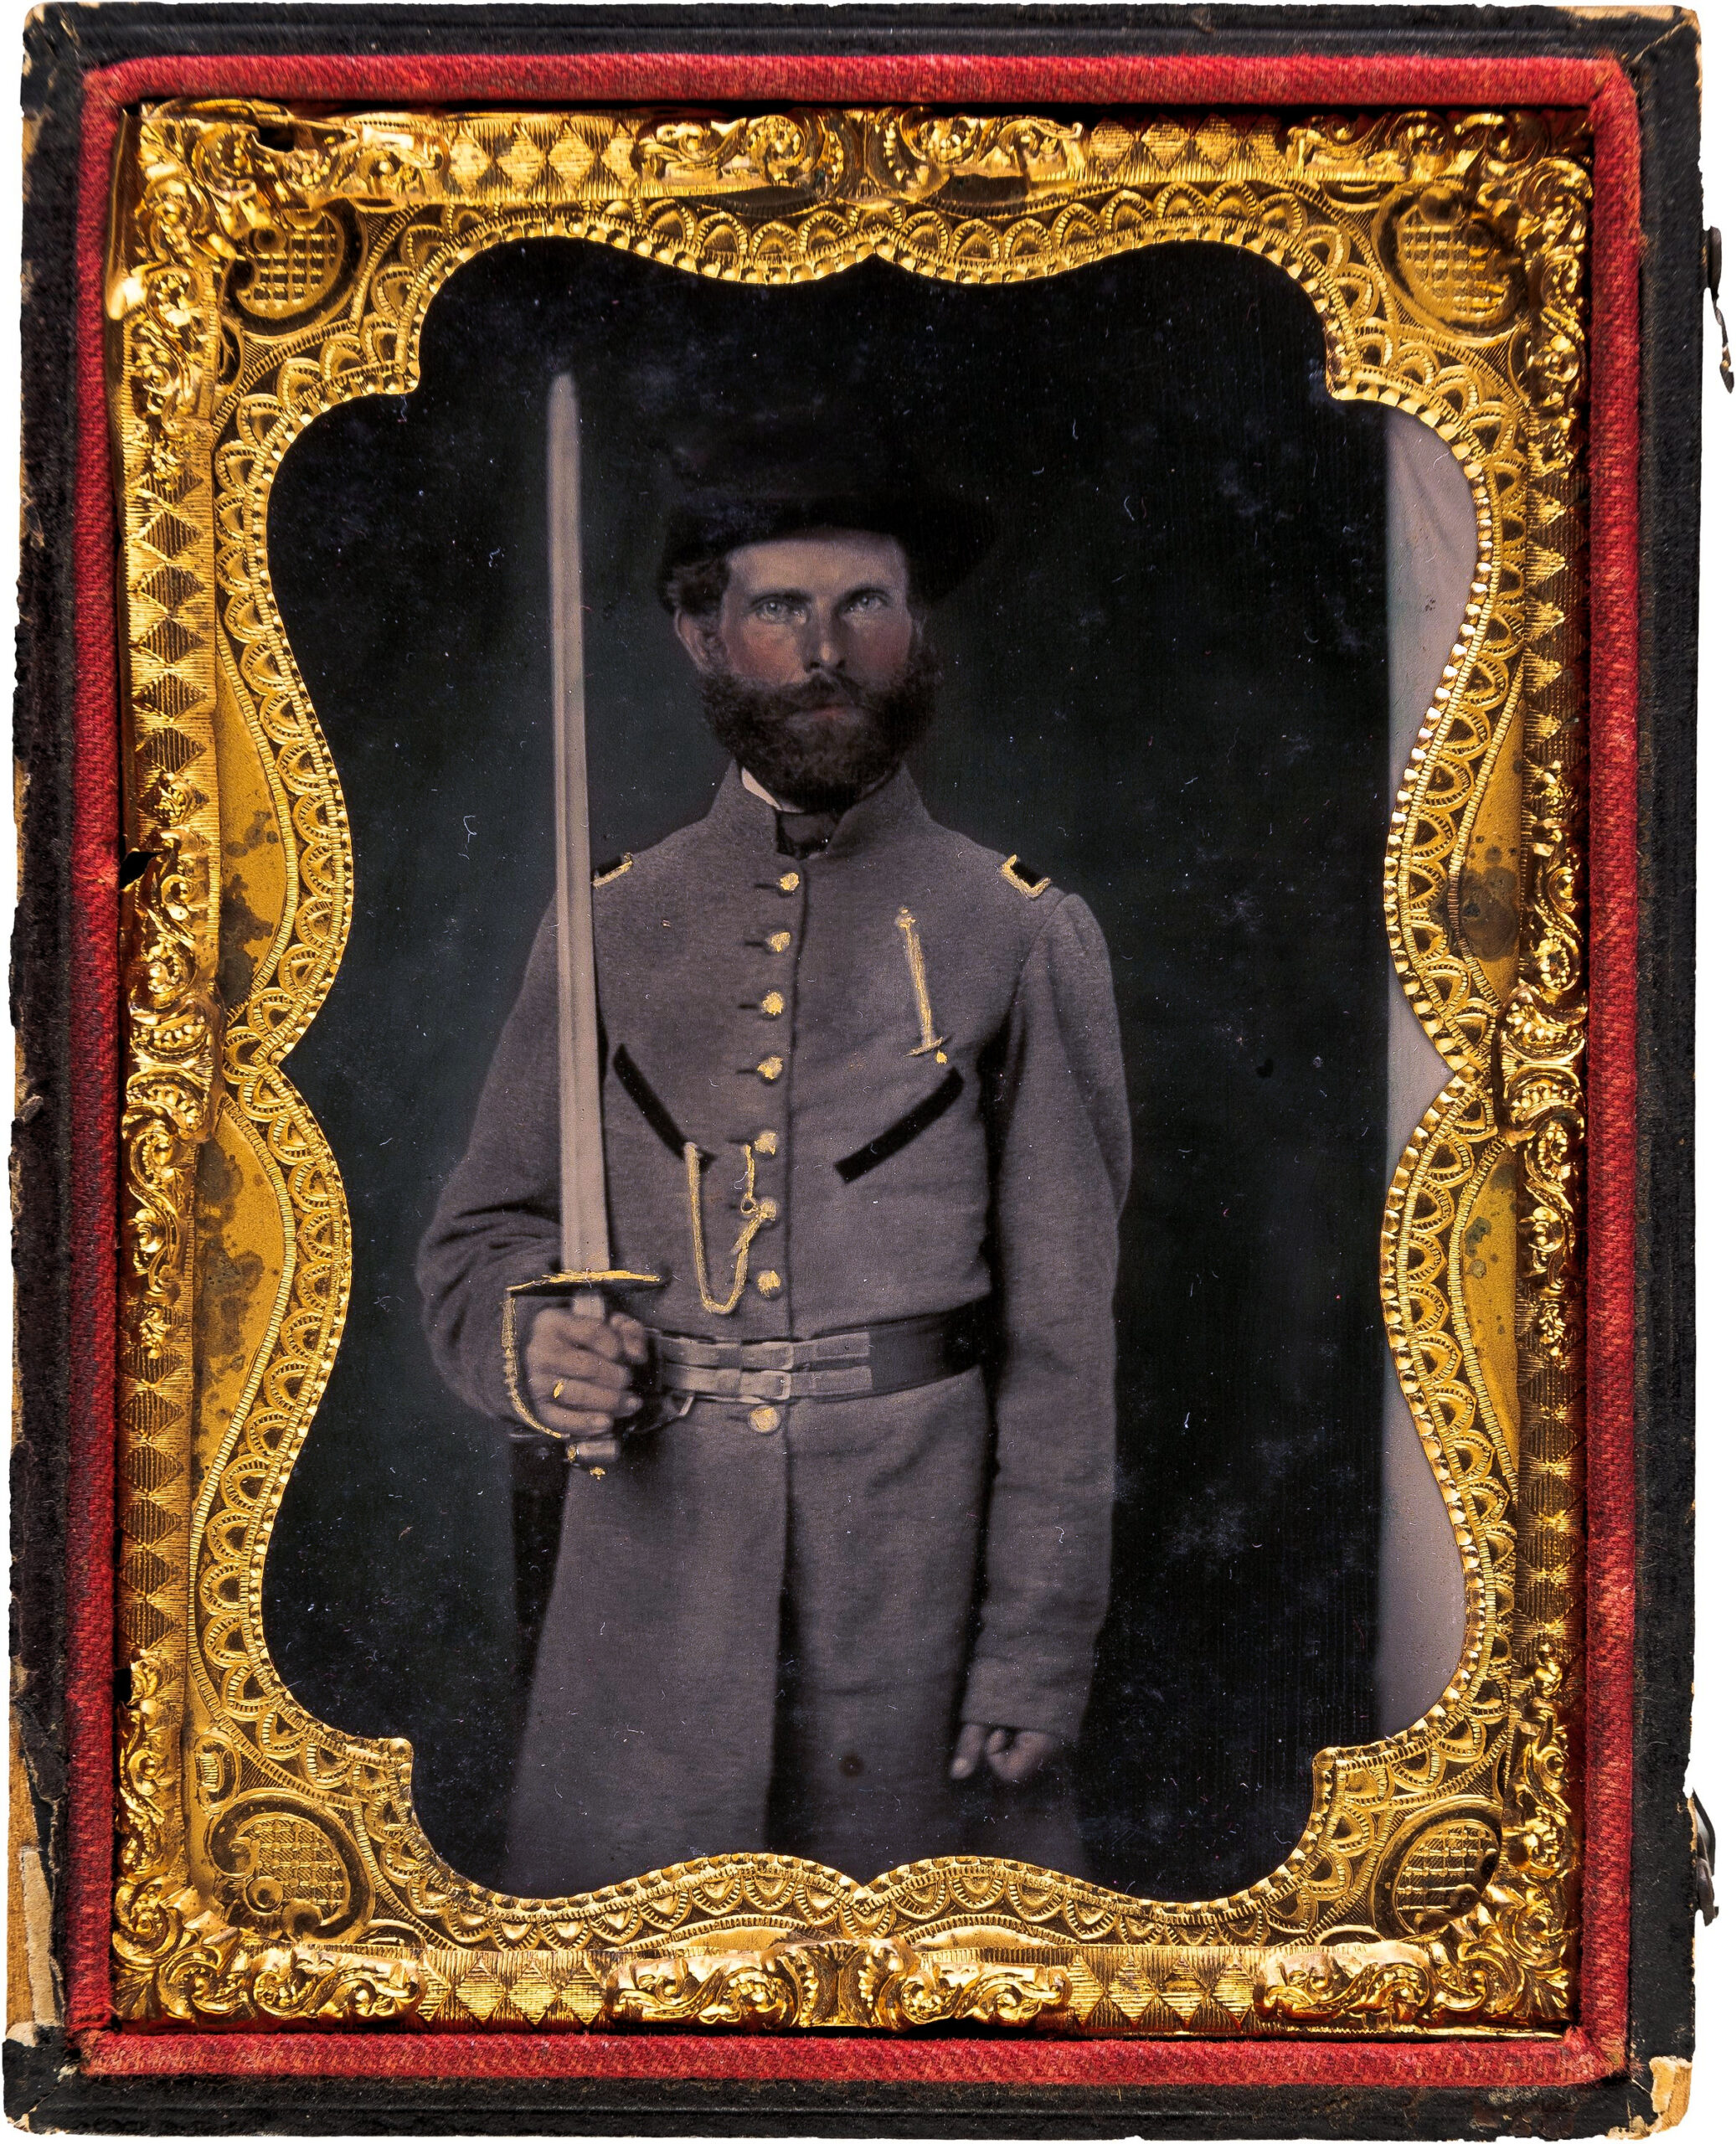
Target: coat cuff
<point>999,1694</point>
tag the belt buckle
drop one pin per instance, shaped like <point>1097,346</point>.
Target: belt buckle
<point>765,1384</point>
<point>768,1355</point>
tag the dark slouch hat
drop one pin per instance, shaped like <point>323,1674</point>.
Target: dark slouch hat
<point>772,478</point>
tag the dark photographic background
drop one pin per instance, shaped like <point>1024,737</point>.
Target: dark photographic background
<point>1166,688</point>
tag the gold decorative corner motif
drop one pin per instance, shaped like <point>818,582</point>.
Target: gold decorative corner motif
<point>1508,1957</point>
<point>268,265</point>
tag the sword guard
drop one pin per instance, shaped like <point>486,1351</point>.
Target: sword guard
<point>612,1276</point>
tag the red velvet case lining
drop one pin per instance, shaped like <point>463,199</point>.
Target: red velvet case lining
<point>1596,2047</point>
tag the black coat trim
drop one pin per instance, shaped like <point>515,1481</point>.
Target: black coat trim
<point>910,1126</point>
<point>641,1091</point>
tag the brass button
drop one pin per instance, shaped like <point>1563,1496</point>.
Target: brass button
<point>766,1142</point>
<point>768,1209</point>
<point>789,881</point>
<point>768,1282</point>
<point>772,1003</point>
<point>765,1420</point>
<point>770,1069</point>
<point>779,942</point>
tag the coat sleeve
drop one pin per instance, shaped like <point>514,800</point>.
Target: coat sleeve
<point>498,1219</point>
<point>1062,1146</point>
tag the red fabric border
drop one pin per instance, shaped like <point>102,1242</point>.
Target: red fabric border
<point>849,2058</point>
<point>1594,2049</point>
<point>94,1191</point>
<point>1611,1080</point>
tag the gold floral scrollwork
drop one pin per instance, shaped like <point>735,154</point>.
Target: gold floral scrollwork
<point>902,1986</point>
<point>151,1909</point>
<point>805,150</point>
<point>170,1091</point>
<point>269,265</point>
<point>916,153</point>
<point>762,1993</point>
<point>207,1972</point>
<point>1542,1054</point>
<point>1541,1066</point>
<point>297,1982</point>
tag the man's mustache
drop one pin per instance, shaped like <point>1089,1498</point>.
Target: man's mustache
<point>833,689</point>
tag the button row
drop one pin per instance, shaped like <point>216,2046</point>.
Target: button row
<point>773,1005</point>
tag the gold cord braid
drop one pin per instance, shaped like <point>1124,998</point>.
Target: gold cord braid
<point>755,1213</point>
<point>919,985</point>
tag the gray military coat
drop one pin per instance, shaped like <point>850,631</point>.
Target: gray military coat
<point>897,1063</point>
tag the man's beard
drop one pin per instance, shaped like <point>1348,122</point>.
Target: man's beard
<point>821,762</point>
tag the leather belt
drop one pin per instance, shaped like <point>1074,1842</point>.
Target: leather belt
<point>896,1355</point>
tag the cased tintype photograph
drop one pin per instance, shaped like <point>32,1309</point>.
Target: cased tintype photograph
<point>874,1125</point>
<point>987,691</point>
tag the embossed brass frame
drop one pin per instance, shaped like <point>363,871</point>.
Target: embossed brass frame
<point>265,265</point>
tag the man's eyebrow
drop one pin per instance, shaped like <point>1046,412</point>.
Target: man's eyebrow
<point>806,595</point>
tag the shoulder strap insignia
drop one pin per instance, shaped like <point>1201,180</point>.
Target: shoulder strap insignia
<point>1023,878</point>
<point>617,867</point>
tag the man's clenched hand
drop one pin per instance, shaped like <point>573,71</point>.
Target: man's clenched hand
<point>580,1374</point>
<point>1013,1753</point>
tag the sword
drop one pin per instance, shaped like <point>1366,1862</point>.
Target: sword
<point>583,1200</point>
<point>584,1187</point>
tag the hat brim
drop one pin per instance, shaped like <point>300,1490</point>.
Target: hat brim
<point>943,535</point>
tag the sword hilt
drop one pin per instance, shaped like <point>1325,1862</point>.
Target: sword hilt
<point>590,1300</point>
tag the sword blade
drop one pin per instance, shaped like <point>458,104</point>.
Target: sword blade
<point>584,1189</point>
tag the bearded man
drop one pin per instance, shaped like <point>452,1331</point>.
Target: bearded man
<point>833,1568</point>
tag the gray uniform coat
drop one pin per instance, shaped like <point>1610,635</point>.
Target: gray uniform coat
<point>915,1051</point>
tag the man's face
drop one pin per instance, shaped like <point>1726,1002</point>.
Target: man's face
<point>821,605</point>
<point>813,669</point>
